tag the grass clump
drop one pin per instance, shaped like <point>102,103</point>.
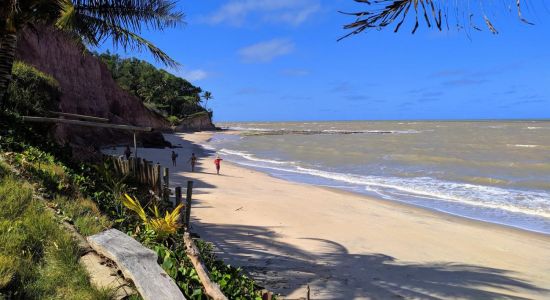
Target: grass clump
<point>32,92</point>
<point>83,213</point>
<point>38,259</point>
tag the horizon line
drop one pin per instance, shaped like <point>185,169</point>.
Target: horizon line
<point>398,120</point>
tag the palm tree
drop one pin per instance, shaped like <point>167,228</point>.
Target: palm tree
<point>207,96</point>
<point>89,21</point>
<point>382,13</point>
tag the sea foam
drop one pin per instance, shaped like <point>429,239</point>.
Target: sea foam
<point>533,203</point>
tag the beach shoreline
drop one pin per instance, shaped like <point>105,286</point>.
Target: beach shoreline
<point>350,246</point>
<point>378,198</point>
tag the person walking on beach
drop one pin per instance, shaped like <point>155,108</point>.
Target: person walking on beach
<point>218,162</point>
<point>127,152</point>
<point>193,161</point>
<point>174,156</point>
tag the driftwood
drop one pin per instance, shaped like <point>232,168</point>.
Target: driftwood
<point>136,263</point>
<point>212,290</point>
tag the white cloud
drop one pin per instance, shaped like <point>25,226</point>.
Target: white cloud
<point>295,72</point>
<point>294,17</point>
<point>266,51</point>
<point>194,75</point>
<point>238,12</point>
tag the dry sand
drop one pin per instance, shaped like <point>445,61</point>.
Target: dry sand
<point>347,246</point>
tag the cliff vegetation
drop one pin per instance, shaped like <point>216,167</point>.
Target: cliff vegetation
<point>31,92</point>
<point>172,96</point>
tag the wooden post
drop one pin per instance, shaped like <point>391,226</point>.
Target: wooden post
<point>166,187</point>
<point>141,170</point>
<point>132,164</point>
<point>158,180</point>
<point>308,290</point>
<point>166,177</point>
<point>267,295</point>
<point>177,192</point>
<point>149,173</point>
<point>188,204</point>
<point>151,184</point>
<point>135,145</point>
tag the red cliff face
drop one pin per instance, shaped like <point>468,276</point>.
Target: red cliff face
<point>87,88</point>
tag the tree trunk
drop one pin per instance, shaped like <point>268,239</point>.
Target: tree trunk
<point>8,43</point>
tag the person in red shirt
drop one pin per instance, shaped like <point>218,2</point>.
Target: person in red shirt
<point>217,162</point>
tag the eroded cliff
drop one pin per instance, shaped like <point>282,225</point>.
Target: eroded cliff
<point>87,88</point>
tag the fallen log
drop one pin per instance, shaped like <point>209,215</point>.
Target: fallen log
<point>137,263</point>
<point>212,289</point>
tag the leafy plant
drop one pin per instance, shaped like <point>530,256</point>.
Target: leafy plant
<point>173,120</point>
<point>161,226</point>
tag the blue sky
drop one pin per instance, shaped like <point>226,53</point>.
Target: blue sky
<point>276,60</point>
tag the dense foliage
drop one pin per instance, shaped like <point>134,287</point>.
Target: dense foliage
<point>158,89</point>
<point>31,91</point>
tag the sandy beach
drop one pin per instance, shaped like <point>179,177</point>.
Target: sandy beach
<point>347,246</point>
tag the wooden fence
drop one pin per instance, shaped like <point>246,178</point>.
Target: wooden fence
<point>155,177</point>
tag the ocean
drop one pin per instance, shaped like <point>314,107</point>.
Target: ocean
<point>492,171</point>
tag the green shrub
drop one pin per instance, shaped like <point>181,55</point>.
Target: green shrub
<point>31,92</point>
<point>173,120</point>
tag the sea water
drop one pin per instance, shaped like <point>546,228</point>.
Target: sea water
<point>493,171</point>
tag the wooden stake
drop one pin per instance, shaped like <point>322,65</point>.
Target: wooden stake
<point>158,181</point>
<point>166,188</point>
<point>188,204</point>
<point>135,145</point>
<point>177,201</point>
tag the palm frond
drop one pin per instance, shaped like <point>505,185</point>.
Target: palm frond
<point>119,20</point>
<point>383,13</point>
<point>94,31</point>
<point>155,14</point>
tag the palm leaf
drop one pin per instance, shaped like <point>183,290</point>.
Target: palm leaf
<point>121,21</point>
<point>382,13</point>
<point>134,205</point>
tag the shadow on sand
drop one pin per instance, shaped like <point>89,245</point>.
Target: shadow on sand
<point>284,269</point>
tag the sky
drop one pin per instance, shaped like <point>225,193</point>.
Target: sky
<point>279,60</point>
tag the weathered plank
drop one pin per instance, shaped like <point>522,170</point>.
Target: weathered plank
<point>77,116</point>
<point>136,263</point>
<point>86,123</point>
